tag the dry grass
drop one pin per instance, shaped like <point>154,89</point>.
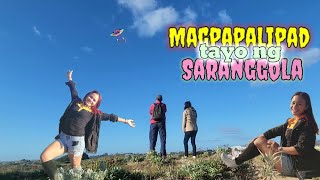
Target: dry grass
<point>150,166</point>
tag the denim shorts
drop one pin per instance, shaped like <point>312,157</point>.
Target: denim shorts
<point>287,165</point>
<point>74,144</point>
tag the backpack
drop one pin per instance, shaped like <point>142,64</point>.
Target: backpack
<point>158,112</point>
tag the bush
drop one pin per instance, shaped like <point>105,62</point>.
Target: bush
<point>212,169</point>
<point>80,174</point>
<point>154,158</point>
<point>110,173</point>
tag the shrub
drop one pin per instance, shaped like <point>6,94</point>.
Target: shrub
<point>154,158</point>
<point>80,174</point>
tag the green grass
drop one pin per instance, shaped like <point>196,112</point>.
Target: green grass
<point>147,166</point>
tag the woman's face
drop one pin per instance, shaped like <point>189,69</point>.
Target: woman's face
<point>298,106</point>
<point>91,99</point>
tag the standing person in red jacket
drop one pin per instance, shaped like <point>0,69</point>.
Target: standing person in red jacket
<point>158,124</point>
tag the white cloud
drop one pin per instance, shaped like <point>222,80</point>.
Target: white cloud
<point>49,36</point>
<point>155,20</point>
<point>310,56</point>
<point>258,83</point>
<point>189,15</point>
<point>150,19</point>
<point>231,131</point>
<point>138,6</point>
<point>205,9</point>
<point>36,31</point>
<point>87,49</point>
<point>224,17</point>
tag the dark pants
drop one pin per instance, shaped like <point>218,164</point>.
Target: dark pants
<point>187,136</point>
<point>153,135</point>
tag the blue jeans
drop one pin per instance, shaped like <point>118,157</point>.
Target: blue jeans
<point>187,136</point>
<point>287,165</point>
<point>74,144</point>
<point>153,135</point>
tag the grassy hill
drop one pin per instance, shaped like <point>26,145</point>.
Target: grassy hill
<point>149,166</point>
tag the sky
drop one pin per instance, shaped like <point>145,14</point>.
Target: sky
<point>41,40</point>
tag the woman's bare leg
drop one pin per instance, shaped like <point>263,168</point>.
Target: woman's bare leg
<point>262,144</point>
<point>75,161</point>
<point>54,150</point>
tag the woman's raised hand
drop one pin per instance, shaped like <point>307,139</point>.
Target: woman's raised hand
<point>69,75</point>
<point>131,123</point>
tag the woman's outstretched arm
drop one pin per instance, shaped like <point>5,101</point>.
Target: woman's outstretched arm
<point>72,85</point>
<point>130,122</point>
<point>115,118</point>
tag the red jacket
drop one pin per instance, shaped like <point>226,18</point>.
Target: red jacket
<point>152,121</point>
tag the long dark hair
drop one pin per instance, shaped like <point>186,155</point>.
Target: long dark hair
<point>187,104</point>
<point>308,113</point>
<point>94,108</point>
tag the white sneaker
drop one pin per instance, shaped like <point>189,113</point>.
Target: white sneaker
<point>228,160</point>
<point>194,157</point>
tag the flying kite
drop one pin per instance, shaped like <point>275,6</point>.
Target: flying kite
<point>116,33</point>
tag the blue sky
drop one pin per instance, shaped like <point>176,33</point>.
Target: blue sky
<point>41,40</point>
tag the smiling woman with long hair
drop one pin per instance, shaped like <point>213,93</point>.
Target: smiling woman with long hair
<point>298,157</point>
<point>78,129</point>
